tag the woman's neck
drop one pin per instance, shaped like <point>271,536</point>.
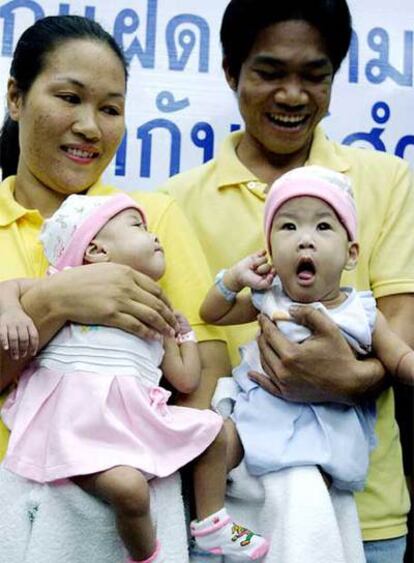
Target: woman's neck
<point>32,194</point>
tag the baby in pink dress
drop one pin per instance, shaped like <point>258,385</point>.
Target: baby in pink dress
<point>90,408</point>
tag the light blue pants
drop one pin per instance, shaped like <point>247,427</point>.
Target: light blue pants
<point>385,551</point>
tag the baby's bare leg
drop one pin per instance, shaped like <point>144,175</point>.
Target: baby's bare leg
<point>234,446</point>
<point>209,477</point>
<point>214,530</point>
<point>211,468</point>
<point>127,491</point>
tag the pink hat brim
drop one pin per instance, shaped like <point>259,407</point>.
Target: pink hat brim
<point>75,251</point>
<point>285,189</point>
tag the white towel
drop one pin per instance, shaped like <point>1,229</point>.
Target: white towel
<point>293,509</point>
<point>60,522</point>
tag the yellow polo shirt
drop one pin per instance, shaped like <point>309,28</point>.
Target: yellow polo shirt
<point>224,202</point>
<point>185,281</point>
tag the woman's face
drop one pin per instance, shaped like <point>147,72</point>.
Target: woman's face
<point>72,119</point>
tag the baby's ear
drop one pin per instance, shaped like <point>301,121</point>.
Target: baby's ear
<point>353,253</point>
<point>96,253</point>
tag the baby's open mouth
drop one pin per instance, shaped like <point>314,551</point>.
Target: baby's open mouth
<point>305,269</point>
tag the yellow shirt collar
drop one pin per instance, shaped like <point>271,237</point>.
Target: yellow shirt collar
<point>11,211</point>
<point>232,172</point>
<point>324,153</point>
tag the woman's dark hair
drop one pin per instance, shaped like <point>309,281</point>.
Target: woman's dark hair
<point>29,60</point>
<point>243,20</point>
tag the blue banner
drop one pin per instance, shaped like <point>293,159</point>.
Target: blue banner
<point>179,105</point>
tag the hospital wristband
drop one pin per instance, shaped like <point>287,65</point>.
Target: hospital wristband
<point>187,337</point>
<point>227,293</point>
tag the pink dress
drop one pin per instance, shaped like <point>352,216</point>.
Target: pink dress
<point>91,401</point>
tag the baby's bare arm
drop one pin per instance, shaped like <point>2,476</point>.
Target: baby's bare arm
<point>217,311</point>
<point>181,365</point>
<point>254,272</point>
<point>18,333</point>
<point>395,354</point>
<point>11,292</point>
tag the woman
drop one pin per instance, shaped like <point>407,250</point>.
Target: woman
<point>66,98</point>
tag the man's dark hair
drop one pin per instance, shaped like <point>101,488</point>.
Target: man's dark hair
<point>243,20</point>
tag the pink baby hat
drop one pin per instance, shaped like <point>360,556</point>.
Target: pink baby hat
<point>67,233</point>
<point>331,187</point>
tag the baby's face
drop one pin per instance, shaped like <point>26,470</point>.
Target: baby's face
<point>310,249</point>
<point>128,242</point>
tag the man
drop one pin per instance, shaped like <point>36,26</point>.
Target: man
<point>280,59</point>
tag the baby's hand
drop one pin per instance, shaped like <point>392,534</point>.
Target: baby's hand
<point>18,333</point>
<point>185,332</point>
<point>254,271</point>
<point>183,324</point>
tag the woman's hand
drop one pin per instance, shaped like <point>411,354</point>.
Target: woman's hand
<point>107,294</point>
<point>322,368</point>
<point>112,295</point>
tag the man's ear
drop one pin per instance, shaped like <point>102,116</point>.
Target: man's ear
<point>14,99</point>
<point>96,253</point>
<point>353,253</point>
<point>231,80</point>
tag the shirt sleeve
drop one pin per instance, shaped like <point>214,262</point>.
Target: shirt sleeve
<point>392,259</point>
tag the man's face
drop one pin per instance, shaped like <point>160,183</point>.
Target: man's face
<point>284,88</point>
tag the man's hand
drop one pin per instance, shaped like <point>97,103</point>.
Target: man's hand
<point>322,368</point>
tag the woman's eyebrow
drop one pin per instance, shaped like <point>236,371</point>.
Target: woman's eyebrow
<point>79,84</point>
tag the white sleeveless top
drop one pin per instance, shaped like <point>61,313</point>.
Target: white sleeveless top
<point>103,349</point>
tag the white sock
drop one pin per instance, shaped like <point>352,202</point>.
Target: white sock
<point>219,535</point>
<point>156,557</point>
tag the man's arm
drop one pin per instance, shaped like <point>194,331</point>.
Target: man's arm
<point>399,312</point>
<point>395,354</point>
